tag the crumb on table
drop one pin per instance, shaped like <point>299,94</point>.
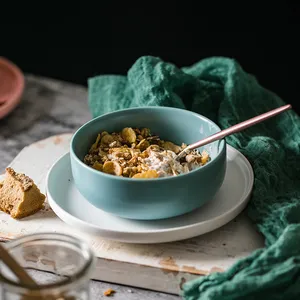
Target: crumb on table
<point>109,292</point>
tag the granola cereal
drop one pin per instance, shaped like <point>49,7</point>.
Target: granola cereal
<point>137,153</point>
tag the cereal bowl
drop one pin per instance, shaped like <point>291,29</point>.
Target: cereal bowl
<point>149,198</point>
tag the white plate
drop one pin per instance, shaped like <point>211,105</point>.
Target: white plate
<point>75,210</point>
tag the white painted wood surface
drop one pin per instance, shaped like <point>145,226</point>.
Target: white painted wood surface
<point>161,267</point>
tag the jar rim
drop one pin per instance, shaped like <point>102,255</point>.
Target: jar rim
<point>77,276</point>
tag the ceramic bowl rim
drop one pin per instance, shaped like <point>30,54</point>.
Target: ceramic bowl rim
<point>120,178</point>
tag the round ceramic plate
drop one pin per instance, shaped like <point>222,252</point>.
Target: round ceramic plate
<point>75,210</point>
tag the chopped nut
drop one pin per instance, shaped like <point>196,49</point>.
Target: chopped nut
<point>183,146</point>
<point>137,131</point>
<point>143,145</point>
<point>185,168</point>
<point>205,157</point>
<point>90,159</point>
<point>153,138</point>
<point>193,158</point>
<point>175,173</point>
<point>153,148</point>
<point>115,144</point>
<point>132,161</point>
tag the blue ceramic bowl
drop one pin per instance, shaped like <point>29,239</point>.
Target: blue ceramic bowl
<point>149,199</point>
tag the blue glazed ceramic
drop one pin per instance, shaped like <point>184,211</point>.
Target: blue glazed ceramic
<point>149,199</point>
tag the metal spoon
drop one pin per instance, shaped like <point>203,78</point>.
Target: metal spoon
<point>233,129</point>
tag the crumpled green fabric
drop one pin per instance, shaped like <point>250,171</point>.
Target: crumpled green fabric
<point>221,90</point>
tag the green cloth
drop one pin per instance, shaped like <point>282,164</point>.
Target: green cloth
<point>221,90</point>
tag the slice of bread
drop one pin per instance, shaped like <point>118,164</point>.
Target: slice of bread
<point>19,196</point>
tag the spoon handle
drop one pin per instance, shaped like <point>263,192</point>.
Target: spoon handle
<point>239,127</point>
<point>16,268</point>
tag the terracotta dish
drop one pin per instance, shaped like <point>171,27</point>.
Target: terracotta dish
<point>11,86</point>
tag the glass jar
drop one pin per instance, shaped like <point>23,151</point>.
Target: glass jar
<point>61,265</point>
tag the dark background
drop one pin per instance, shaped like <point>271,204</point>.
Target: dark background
<point>263,41</point>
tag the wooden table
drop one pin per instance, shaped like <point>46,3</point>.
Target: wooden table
<point>50,110</point>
